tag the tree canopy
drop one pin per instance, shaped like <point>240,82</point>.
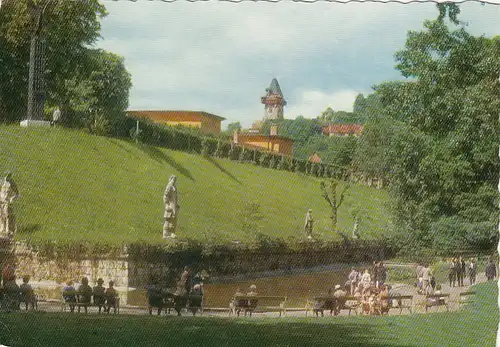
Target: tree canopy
<point>441,131</point>
<point>77,76</point>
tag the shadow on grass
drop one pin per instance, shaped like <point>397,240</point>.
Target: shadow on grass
<point>29,229</point>
<point>157,155</point>
<point>51,328</point>
<point>161,157</point>
<point>222,169</point>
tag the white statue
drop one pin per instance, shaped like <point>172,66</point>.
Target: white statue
<point>8,193</point>
<point>171,201</point>
<point>56,116</point>
<point>308,227</point>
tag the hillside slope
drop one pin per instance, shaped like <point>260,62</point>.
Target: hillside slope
<point>77,186</point>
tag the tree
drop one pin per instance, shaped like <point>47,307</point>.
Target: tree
<point>335,199</point>
<point>443,154</point>
<point>69,28</point>
<point>98,92</point>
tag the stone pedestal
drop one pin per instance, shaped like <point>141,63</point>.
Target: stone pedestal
<point>34,123</point>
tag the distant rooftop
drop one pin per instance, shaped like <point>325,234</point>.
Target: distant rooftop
<point>160,114</point>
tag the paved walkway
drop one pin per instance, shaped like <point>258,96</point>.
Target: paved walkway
<point>402,289</point>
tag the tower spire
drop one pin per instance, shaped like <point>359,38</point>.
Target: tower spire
<point>273,101</point>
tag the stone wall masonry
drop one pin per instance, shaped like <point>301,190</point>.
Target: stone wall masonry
<point>28,262</point>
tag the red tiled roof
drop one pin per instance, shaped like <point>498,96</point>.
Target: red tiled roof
<point>342,129</point>
<point>315,158</point>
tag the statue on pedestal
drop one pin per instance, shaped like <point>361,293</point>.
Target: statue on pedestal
<point>171,201</point>
<point>308,227</point>
<point>8,193</point>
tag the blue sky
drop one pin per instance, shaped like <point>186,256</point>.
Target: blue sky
<point>219,57</point>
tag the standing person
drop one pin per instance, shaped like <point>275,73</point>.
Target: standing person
<point>426,277</point>
<point>472,271</point>
<point>353,279</point>
<point>452,274</point>
<point>491,270</point>
<point>382,274</point>
<point>366,282</point>
<point>461,269</point>
<point>375,272</point>
<point>184,285</point>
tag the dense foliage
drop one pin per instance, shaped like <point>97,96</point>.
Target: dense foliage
<point>436,139</point>
<point>90,86</point>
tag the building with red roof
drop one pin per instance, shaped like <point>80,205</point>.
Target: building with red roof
<point>342,129</point>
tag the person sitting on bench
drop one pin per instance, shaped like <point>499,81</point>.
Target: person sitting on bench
<point>196,299</point>
<point>99,294</point>
<point>84,294</point>
<point>252,303</point>
<point>111,297</point>
<point>27,293</point>
<point>340,299</point>
<point>69,295</point>
<point>240,304</point>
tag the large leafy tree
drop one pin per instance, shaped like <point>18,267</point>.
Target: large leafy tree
<point>444,164</point>
<point>69,27</point>
<point>98,91</point>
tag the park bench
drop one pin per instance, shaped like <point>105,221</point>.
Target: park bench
<point>257,303</point>
<point>329,303</point>
<point>436,300</point>
<point>465,298</point>
<point>401,302</point>
<point>166,300</point>
<point>79,302</point>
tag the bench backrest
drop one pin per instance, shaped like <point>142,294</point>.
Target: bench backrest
<point>467,293</point>
<point>437,296</point>
<point>401,297</point>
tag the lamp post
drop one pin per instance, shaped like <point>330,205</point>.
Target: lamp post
<point>36,80</point>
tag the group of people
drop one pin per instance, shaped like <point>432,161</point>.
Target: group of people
<point>104,298</point>
<point>188,294</point>
<point>459,270</point>
<point>364,280</point>
<point>12,295</point>
<point>245,305</point>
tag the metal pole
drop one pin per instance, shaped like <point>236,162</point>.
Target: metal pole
<point>36,81</point>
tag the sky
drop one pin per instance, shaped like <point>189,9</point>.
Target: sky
<point>219,57</point>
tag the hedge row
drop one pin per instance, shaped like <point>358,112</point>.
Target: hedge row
<point>176,139</point>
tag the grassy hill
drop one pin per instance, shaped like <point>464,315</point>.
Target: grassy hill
<point>76,186</point>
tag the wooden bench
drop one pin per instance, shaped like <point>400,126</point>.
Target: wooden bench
<point>465,298</point>
<point>330,303</point>
<point>403,302</point>
<point>436,300</point>
<point>257,303</point>
<point>79,303</point>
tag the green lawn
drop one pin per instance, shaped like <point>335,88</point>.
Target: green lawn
<point>476,325</point>
<point>76,186</point>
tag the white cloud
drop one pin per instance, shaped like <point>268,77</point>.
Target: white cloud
<point>313,102</point>
<point>220,57</point>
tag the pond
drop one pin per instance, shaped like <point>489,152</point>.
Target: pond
<point>297,287</point>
